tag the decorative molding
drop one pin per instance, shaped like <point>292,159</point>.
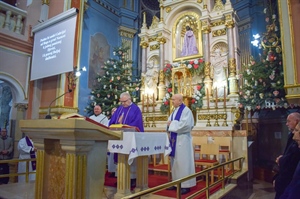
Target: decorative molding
<point>217,23</point>
<point>154,47</point>
<point>220,32</point>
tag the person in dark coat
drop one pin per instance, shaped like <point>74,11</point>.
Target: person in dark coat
<point>292,191</point>
<point>287,162</point>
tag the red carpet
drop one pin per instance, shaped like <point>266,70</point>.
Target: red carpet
<point>155,180</point>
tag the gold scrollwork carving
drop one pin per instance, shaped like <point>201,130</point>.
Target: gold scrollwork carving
<point>217,23</point>
<point>127,34</point>
<point>154,47</point>
<point>230,24</point>
<point>168,9</point>
<point>153,38</point>
<point>212,116</point>
<point>144,44</point>
<point>161,76</point>
<point>207,70</point>
<point>199,1</point>
<point>232,67</point>
<point>161,40</point>
<point>156,118</point>
<point>206,30</point>
<point>219,32</point>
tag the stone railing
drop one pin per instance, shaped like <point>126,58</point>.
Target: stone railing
<point>12,18</point>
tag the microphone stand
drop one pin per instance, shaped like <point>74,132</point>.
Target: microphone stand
<point>48,116</point>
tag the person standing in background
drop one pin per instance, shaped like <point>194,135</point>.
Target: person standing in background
<point>180,125</point>
<point>292,191</point>
<point>98,116</point>
<point>26,151</point>
<point>6,148</point>
<point>287,162</point>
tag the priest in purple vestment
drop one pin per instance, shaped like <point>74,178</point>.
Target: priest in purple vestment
<point>128,113</point>
<point>189,43</point>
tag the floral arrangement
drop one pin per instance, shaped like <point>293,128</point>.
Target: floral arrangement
<point>196,67</point>
<point>197,100</point>
<point>165,107</point>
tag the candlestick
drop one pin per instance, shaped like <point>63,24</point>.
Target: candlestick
<point>147,103</point>
<point>143,98</point>
<point>224,96</point>
<point>216,102</point>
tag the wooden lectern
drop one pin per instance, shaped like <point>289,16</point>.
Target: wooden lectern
<point>71,157</point>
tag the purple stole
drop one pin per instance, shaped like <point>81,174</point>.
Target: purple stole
<point>174,135</point>
<point>32,153</point>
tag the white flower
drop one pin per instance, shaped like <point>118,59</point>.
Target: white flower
<point>92,97</point>
<point>175,65</point>
<point>247,92</point>
<point>167,95</point>
<point>164,99</point>
<point>196,61</point>
<point>197,98</point>
<point>198,92</point>
<point>189,66</point>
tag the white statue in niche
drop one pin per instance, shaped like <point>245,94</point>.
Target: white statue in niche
<point>219,73</point>
<point>151,78</point>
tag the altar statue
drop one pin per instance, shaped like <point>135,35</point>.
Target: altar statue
<point>151,78</point>
<point>219,72</point>
<point>189,43</point>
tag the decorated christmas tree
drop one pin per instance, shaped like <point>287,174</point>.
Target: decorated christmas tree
<point>115,78</point>
<point>262,81</point>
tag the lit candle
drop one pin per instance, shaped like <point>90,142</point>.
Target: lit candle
<point>224,96</point>
<point>207,98</point>
<point>153,104</point>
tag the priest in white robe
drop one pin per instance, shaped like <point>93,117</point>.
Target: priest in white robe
<point>26,151</point>
<point>98,116</point>
<point>180,124</point>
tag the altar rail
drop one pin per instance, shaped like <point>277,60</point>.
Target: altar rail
<point>15,162</point>
<point>222,179</point>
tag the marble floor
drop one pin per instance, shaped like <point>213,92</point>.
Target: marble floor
<point>261,190</point>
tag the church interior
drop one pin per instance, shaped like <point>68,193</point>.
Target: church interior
<point>234,62</point>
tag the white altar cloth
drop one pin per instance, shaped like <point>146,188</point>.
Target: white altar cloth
<point>141,144</point>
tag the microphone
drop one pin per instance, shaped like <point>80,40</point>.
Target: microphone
<point>48,116</point>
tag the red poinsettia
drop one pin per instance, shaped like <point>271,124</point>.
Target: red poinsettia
<point>166,103</point>
<point>169,90</point>
<point>200,61</point>
<point>199,87</point>
<point>193,101</point>
<point>196,66</point>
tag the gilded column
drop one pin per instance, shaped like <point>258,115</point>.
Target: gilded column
<point>76,184</point>
<point>40,158</point>
<point>233,83</point>
<point>161,87</point>
<point>161,10</point>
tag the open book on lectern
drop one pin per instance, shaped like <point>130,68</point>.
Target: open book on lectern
<point>78,116</point>
<point>124,126</point>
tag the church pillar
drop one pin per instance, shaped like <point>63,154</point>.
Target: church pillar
<point>144,46</point>
<point>161,86</point>
<point>44,10</point>
<point>162,41</point>
<point>207,78</point>
<point>233,83</point>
